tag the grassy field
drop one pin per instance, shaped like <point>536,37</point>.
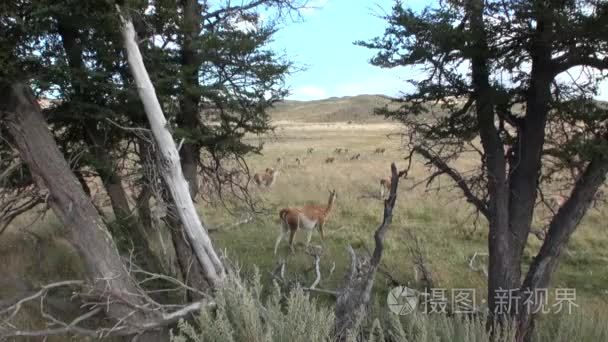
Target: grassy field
<point>440,220</point>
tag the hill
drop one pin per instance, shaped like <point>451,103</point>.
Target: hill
<point>358,108</point>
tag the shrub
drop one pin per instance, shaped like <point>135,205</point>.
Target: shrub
<point>241,315</point>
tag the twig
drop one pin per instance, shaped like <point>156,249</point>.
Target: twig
<point>17,306</point>
<point>246,220</point>
<point>472,261</point>
<point>318,271</point>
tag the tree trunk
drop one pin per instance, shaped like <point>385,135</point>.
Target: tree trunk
<point>191,270</point>
<point>135,230</point>
<point>526,162</point>
<point>185,259</point>
<point>561,228</point>
<point>105,166</point>
<point>503,268</point>
<point>170,164</point>
<point>188,118</point>
<point>352,302</point>
<point>69,202</point>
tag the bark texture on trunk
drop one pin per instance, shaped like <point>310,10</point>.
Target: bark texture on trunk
<point>189,266</point>
<point>171,170</point>
<point>503,269</point>
<point>188,118</point>
<point>105,166</point>
<point>88,233</point>
<point>561,228</point>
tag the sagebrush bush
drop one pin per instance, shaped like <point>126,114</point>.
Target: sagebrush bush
<point>240,314</point>
<point>579,327</point>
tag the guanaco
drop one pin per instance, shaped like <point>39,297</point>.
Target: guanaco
<point>267,178</point>
<point>385,186</point>
<point>308,217</point>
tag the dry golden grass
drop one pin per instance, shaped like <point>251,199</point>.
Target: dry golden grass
<point>440,220</point>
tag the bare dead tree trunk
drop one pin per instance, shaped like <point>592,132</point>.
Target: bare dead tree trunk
<point>69,202</point>
<point>353,300</point>
<point>171,168</point>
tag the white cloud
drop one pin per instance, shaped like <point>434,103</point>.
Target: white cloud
<point>308,93</point>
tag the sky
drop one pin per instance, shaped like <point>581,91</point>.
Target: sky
<point>321,45</point>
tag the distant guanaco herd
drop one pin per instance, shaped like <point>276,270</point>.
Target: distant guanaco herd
<point>310,216</point>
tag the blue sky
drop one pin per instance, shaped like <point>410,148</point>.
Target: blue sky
<point>322,43</point>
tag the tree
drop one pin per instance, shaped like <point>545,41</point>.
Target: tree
<point>171,168</point>
<point>226,79</point>
<point>45,49</point>
<point>215,81</point>
<point>216,67</point>
<point>494,71</point>
<point>22,119</point>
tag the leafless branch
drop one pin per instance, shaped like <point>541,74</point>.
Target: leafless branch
<point>457,177</point>
<point>420,263</point>
<point>355,294</point>
<point>248,218</point>
<point>97,302</point>
<point>13,309</point>
<point>480,268</point>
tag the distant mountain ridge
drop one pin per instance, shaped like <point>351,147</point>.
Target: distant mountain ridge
<point>358,108</point>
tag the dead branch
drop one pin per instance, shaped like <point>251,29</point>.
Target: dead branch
<point>420,264</point>
<point>10,169</point>
<point>13,309</point>
<point>383,270</point>
<point>353,299</point>
<point>12,207</point>
<point>96,302</point>
<point>317,271</point>
<point>248,218</point>
<point>456,176</point>
<point>481,268</point>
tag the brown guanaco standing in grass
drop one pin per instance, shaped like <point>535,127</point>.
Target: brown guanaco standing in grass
<point>308,218</point>
<point>267,178</point>
<point>385,186</point>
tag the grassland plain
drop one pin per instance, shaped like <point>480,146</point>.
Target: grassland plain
<point>440,219</point>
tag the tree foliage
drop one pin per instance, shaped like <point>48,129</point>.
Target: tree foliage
<point>513,83</point>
